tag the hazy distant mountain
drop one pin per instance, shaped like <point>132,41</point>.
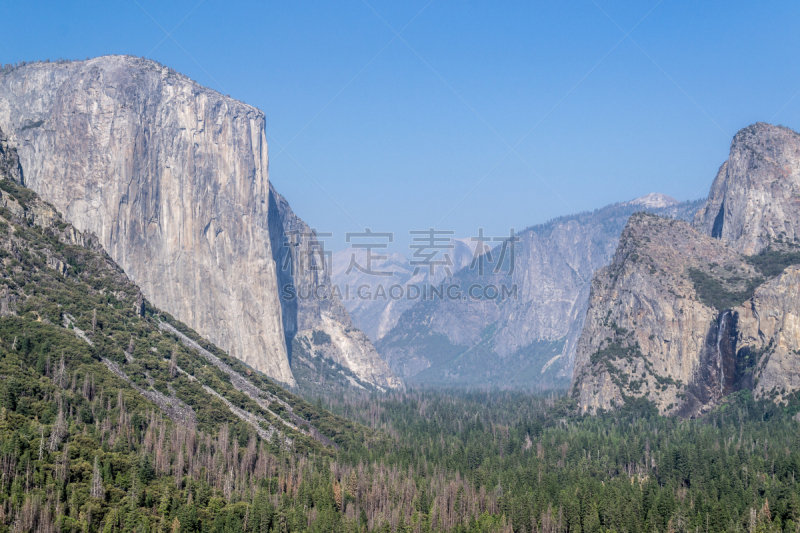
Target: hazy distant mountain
<point>527,341</point>
<point>376,315</point>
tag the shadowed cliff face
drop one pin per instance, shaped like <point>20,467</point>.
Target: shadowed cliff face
<point>303,265</point>
<point>722,369</point>
<point>172,178</point>
<point>9,160</point>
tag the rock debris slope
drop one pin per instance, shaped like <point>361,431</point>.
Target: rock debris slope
<point>685,315</point>
<point>172,178</point>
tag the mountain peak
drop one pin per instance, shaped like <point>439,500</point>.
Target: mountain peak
<point>754,199</point>
<point>761,135</point>
<point>654,200</point>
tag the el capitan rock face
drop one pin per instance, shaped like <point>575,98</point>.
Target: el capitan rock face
<point>172,178</point>
<point>755,198</point>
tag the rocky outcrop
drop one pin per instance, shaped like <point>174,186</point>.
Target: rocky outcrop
<point>755,198</point>
<point>647,333</point>
<point>523,341</point>
<point>683,320</point>
<point>9,160</point>
<point>172,178</point>
<point>685,316</point>
<point>768,336</point>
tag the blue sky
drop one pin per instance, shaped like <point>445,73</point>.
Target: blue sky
<point>478,114</point>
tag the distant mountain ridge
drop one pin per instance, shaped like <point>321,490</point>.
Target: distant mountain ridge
<point>654,201</point>
<point>377,315</point>
<point>527,342</point>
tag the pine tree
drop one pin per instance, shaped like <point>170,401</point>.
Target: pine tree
<point>337,495</point>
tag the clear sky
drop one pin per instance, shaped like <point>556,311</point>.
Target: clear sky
<point>400,116</point>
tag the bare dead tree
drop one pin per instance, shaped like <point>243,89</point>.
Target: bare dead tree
<point>59,429</point>
<point>41,442</point>
<point>88,387</point>
<point>97,490</point>
<point>138,308</point>
<point>61,372</point>
<point>62,469</point>
<point>173,364</point>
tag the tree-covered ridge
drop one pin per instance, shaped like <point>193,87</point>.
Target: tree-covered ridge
<point>61,278</point>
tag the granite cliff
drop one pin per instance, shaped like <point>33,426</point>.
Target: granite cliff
<point>172,178</point>
<point>755,198</point>
<point>64,301</point>
<point>523,341</point>
<point>684,316</point>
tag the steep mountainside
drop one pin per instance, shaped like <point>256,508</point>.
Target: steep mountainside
<point>755,198</point>
<point>681,317</point>
<point>318,329</point>
<point>115,406</point>
<point>62,299</point>
<point>527,341</point>
<point>172,178</point>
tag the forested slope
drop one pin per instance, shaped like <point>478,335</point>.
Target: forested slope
<point>112,411</point>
